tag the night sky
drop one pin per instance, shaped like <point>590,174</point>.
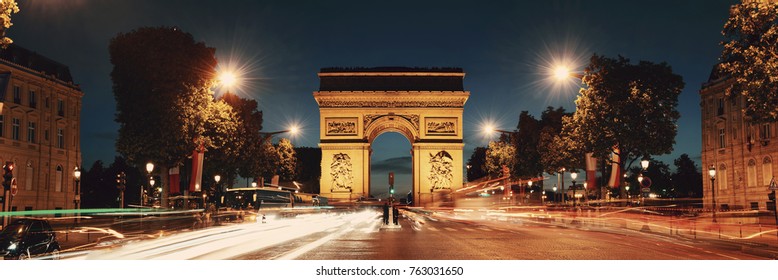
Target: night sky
<point>504,47</point>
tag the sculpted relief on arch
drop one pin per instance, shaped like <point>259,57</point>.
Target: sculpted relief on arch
<point>441,170</point>
<point>341,172</point>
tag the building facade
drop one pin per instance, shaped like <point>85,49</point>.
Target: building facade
<point>743,153</point>
<point>39,129</point>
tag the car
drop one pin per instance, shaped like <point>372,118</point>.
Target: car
<point>26,238</point>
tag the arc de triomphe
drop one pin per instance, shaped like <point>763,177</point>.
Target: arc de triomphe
<point>356,105</point>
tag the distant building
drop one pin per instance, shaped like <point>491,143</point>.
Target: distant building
<point>39,128</point>
<point>743,153</point>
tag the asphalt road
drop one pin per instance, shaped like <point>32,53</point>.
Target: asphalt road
<point>442,237</point>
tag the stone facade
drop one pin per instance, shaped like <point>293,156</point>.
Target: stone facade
<point>39,129</point>
<point>430,117</point>
<point>744,154</point>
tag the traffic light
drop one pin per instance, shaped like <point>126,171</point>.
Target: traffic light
<point>121,181</point>
<point>391,190</point>
<point>771,196</point>
<point>8,174</point>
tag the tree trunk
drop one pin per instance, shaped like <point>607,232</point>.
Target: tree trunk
<point>163,177</point>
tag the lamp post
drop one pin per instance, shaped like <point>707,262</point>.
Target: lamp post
<point>643,163</point>
<point>574,175</point>
<point>561,178</point>
<point>149,168</point>
<point>77,194</point>
<point>151,182</point>
<point>554,189</point>
<point>628,198</point>
<point>529,184</point>
<point>712,173</point>
<point>586,191</point>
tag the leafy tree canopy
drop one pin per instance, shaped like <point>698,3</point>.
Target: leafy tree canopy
<point>750,58</point>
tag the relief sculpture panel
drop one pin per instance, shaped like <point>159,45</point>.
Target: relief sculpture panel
<point>441,170</point>
<point>341,126</point>
<point>441,126</point>
<point>341,172</point>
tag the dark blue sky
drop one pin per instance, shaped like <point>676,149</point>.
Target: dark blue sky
<point>503,46</point>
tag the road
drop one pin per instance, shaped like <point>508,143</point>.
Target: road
<point>437,237</point>
<point>423,235</point>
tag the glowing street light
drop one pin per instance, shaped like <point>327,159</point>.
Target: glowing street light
<point>712,173</point>
<point>574,175</point>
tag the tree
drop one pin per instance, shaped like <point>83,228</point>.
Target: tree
<point>750,58</point>
<point>308,168</point>
<point>553,152</point>
<point>660,175</point>
<point>477,164</point>
<point>525,142</point>
<point>626,109</point>
<point>7,8</point>
<point>267,163</point>
<point>287,160</point>
<point>161,83</point>
<point>224,153</point>
<point>687,178</point>
<point>249,140</point>
<point>499,154</point>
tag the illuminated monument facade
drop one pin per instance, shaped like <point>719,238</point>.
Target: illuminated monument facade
<point>356,105</point>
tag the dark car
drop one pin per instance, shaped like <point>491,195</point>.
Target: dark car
<point>25,238</point>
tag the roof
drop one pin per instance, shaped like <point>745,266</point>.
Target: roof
<point>18,55</point>
<point>391,78</point>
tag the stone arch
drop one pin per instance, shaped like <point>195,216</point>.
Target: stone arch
<point>356,105</point>
<point>391,123</point>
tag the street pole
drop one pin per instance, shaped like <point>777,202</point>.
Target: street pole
<point>713,190</point>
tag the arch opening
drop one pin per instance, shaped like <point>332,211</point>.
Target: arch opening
<point>391,152</point>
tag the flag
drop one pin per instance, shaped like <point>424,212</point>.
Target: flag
<point>614,181</point>
<point>591,171</point>
<point>197,169</point>
<point>174,180</point>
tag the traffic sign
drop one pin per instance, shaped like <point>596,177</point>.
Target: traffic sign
<point>773,185</point>
<point>646,190</point>
<point>14,188</point>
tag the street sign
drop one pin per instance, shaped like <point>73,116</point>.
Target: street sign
<point>14,189</point>
<point>773,185</point>
<point>646,190</point>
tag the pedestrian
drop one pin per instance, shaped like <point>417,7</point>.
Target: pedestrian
<point>395,214</point>
<point>386,213</point>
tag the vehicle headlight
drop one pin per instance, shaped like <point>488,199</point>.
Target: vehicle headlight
<point>12,246</point>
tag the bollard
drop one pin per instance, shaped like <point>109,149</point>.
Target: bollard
<point>741,229</point>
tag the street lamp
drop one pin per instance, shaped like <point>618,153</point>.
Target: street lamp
<point>149,169</point>
<point>644,163</point>
<point>554,189</point>
<point>529,184</point>
<point>574,175</point>
<point>254,184</point>
<point>77,194</point>
<point>628,198</point>
<point>712,173</point>
<point>561,180</point>
<point>586,191</point>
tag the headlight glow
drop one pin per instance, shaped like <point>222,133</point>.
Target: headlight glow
<point>12,246</point>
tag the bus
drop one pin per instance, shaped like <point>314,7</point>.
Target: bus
<point>256,198</point>
<point>308,199</point>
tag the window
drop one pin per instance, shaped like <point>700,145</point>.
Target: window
<point>33,102</point>
<point>765,131</point>
<point>60,138</point>
<point>31,132</point>
<point>722,138</point>
<point>720,110</point>
<point>722,174</point>
<point>28,177</point>
<point>17,95</point>
<point>58,179</point>
<point>61,108</point>
<point>46,135</point>
<point>47,102</point>
<point>767,170</point>
<point>15,129</point>
<point>2,125</point>
<point>752,173</point>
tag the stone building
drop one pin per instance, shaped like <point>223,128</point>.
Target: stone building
<point>742,153</point>
<point>39,129</point>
